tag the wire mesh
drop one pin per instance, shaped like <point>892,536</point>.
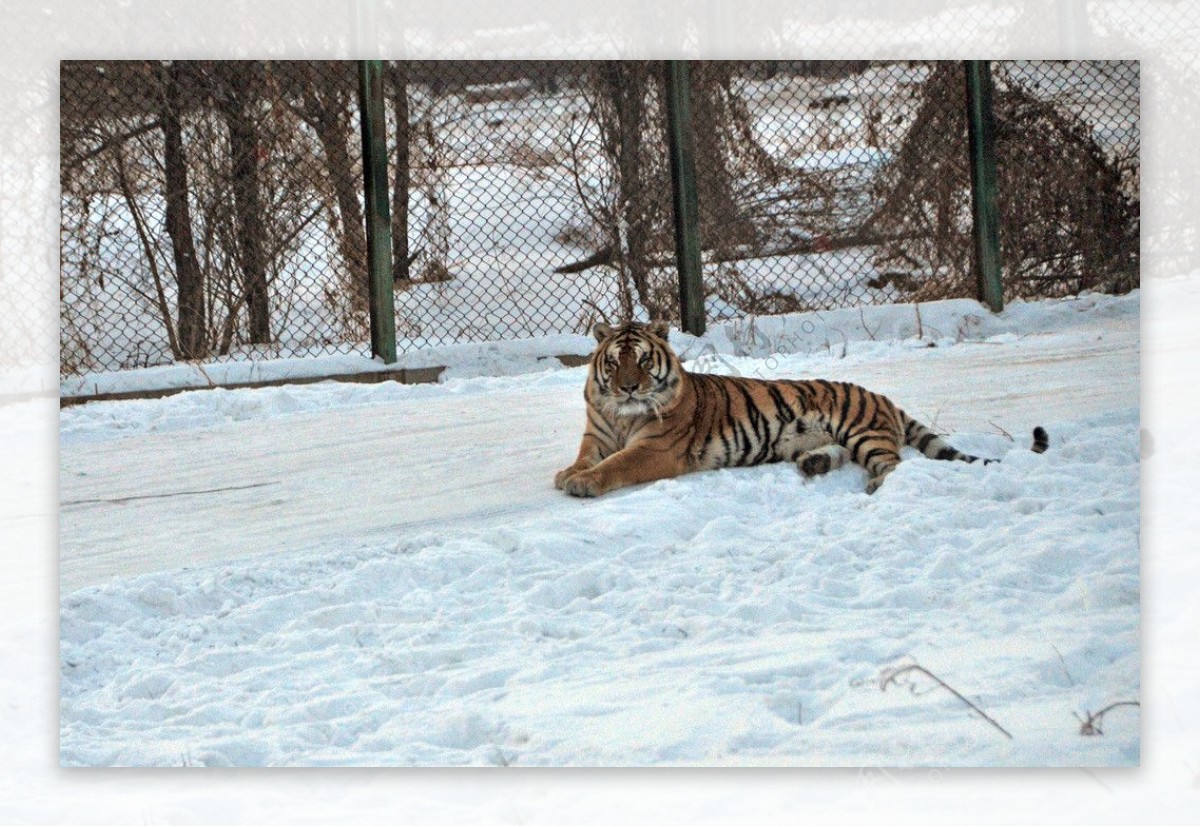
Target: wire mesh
<point>860,191</point>
<point>503,180</point>
<point>210,209</point>
<point>1070,174</point>
<point>213,210</point>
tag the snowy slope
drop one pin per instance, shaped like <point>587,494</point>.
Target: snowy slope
<point>403,585</point>
<point>386,456</point>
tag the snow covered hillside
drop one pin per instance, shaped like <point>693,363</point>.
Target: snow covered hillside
<point>383,574</point>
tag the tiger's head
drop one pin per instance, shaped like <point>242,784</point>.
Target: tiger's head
<point>633,369</point>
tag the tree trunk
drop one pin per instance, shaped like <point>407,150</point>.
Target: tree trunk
<point>192,325</point>
<point>326,109</point>
<point>236,98</point>
<point>436,232</point>
<point>400,252</point>
<point>143,234</point>
<point>625,84</point>
<point>717,139</point>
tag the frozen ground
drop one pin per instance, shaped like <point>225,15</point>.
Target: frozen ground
<point>388,577</point>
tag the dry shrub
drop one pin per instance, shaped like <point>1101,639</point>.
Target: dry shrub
<point>434,272</point>
<point>746,198</point>
<point>727,283</point>
<point>525,154</point>
<point>1068,220</point>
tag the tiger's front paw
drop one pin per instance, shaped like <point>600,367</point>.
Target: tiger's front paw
<point>584,484</point>
<point>560,479</point>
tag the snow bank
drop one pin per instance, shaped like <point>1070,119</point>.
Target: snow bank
<point>736,617</point>
<point>473,359</point>
<point>854,335</point>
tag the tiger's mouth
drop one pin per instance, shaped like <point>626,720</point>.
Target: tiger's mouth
<point>639,402</point>
<point>650,398</point>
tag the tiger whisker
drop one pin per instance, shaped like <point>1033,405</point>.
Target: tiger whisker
<point>655,406</point>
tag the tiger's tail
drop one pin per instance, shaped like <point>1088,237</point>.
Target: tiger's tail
<point>934,447</point>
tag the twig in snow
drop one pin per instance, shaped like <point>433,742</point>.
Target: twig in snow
<point>863,319</point>
<point>845,343</point>
<point>1010,439</point>
<point>123,500</point>
<point>890,678</point>
<point>1092,725</point>
<point>933,422</point>
<point>207,378</point>
<point>1063,662</point>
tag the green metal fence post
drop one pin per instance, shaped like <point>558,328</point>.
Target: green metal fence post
<point>381,298</point>
<point>981,140</point>
<point>683,188</point>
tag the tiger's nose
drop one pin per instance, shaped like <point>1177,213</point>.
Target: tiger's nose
<point>630,388</point>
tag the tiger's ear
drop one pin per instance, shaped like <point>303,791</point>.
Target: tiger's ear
<point>659,329</point>
<point>602,331</point>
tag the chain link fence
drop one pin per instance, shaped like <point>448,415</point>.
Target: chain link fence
<point>214,210</point>
<point>1069,152</point>
<point>863,191</point>
<point>209,210</point>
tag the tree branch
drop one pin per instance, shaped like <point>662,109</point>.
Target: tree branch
<point>1092,725</point>
<point>890,678</point>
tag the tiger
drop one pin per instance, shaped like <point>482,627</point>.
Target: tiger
<point>649,419</point>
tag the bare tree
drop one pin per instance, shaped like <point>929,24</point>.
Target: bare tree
<point>325,104</point>
<point>398,72</point>
<point>627,101</point>
<point>192,324</point>
<point>624,100</point>
<point>433,169</point>
<point>236,92</point>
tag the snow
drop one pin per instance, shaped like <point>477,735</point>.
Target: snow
<point>942,321</point>
<point>1163,789</point>
<point>465,360</point>
<point>384,574</point>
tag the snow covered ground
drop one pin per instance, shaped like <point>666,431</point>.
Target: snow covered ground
<point>383,574</point>
<point>1164,789</point>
